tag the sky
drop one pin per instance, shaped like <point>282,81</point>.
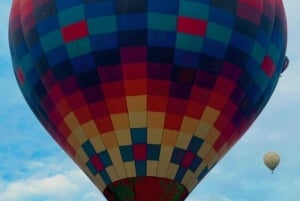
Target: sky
<point>34,168</point>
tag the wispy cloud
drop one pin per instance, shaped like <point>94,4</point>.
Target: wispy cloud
<point>59,187</point>
<point>56,186</point>
<point>49,179</point>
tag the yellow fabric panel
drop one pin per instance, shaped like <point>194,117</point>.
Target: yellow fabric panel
<point>110,140</point>
<point>80,162</point>
<point>189,175</point>
<point>82,165</point>
<point>205,147</point>
<point>189,125</point>
<point>71,121</point>
<point>112,173</point>
<point>202,129</point>
<point>80,135</point>
<point>172,170</point>
<point>169,137</point>
<point>183,140</point>
<point>97,143</point>
<point>193,182</point>
<point>90,129</point>
<point>155,119</point>
<point>212,136</point>
<point>80,153</point>
<point>164,160</point>
<point>151,168</point>
<point>130,169</point>
<point>99,182</point>
<point>73,141</point>
<point>210,158</point>
<point>213,162</point>
<point>154,135</point>
<point>136,103</point>
<point>116,158</point>
<point>123,137</point>
<point>210,115</point>
<point>137,119</point>
<point>120,121</point>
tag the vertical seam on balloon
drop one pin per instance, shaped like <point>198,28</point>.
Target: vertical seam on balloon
<point>123,81</point>
<point>168,98</point>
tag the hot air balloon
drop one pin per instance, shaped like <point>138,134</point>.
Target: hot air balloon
<point>271,160</point>
<point>146,96</point>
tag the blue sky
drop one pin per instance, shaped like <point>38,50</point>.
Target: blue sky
<point>33,167</point>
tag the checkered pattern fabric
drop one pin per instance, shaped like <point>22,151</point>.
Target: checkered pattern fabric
<point>133,88</point>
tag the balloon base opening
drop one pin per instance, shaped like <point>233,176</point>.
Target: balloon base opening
<point>145,189</point>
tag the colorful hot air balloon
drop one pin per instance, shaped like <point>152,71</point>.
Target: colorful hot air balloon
<point>271,160</point>
<point>147,95</point>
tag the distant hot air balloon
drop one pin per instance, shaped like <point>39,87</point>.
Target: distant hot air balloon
<point>146,96</point>
<point>271,160</point>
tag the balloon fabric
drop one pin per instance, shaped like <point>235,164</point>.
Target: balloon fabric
<point>146,96</point>
<point>271,160</point>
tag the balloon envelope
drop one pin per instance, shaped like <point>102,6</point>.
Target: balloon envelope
<point>147,95</point>
<point>271,160</point>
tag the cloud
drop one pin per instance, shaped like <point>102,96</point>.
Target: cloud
<point>71,185</point>
<point>57,186</point>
